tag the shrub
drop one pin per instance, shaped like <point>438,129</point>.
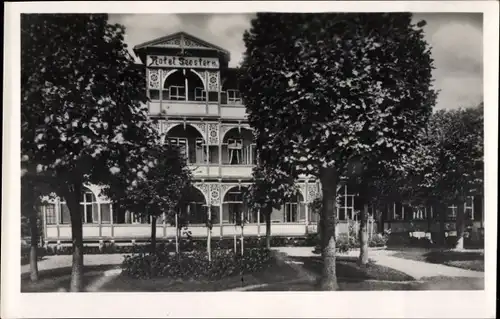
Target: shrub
<point>378,240</point>
<point>195,264</point>
<point>405,240</point>
<point>345,244</point>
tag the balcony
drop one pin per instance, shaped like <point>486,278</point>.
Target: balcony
<point>183,108</point>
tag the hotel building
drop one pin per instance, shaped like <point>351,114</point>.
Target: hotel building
<point>195,99</point>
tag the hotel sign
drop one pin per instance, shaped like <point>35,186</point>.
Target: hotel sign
<point>182,62</point>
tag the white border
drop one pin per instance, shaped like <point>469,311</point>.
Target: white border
<point>454,304</point>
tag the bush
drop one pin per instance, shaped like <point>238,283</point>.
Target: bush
<point>195,264</point>
<point>378,240</point>
<point>405,240</point>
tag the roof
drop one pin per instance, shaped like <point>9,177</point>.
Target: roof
<point>181,40</point>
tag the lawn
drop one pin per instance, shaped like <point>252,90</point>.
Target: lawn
<point>275,273</point>
<point>278,277</point>
<point>54,279</point>
<point>348,269</point>
<point>471,260</point>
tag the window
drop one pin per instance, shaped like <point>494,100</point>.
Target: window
<point>451,212</point>
<point>136,218</point>
<point>90,209</point>
<point>118,215</point>
<point>201,151</point>
<point>50,214</point>
<point>154,95</point>
<point>177,93</point>
<point>469,208</point>
<point>233,97</point>
<point>291,212</point>
<point>233,207</point>
<point>106,213</point>
<point>197,213</point>
<point>65,216</point>
<point>200,94</point>
<point>181,143</point>
<point>345,205</point>
<point>235,147</point>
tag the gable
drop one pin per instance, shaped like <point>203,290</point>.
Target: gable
<point>180,40</point>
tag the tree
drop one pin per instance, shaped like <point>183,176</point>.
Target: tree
<point>82,108</point>
<point>270,187</point>
<point>455,170</point>
<point>329,90</point>
<point>166,177</point>
<point>32,190</point>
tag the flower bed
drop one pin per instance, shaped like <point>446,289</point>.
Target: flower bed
<point>346,243</point>
<point>195,264</point>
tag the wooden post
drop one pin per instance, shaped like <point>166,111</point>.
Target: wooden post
<point>221,233</point>
<point>44,221</point>
<point>176,233</point>
<point>99,218</point>
<point>258,223</point>
<point>164,225</point>
<point>57,210</point>
<point>112,222</point>
<point>209,235</point>
<point>242,235</point>
<point>482,211</point>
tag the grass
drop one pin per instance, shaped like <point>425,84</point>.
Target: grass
<point>279,276</point>
<point>54,279</point>
<point>348,269</point>
<point>471,260</point>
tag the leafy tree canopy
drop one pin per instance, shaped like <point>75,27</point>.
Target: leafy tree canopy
<point>82,110</point>
<point>328,89</point>
<point>161,188</point>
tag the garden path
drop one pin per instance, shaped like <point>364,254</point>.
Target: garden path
<point>416,269</point>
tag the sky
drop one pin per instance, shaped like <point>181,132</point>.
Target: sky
<point>456,40</point>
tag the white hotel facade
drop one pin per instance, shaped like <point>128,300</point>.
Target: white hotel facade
<point>194,96</point>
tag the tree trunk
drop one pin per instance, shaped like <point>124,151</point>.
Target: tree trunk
<point>328,178</point>
<point>268,228</point>
<point>460,226</point>
<point>209,234</point>
<point>176,234</point>
<point>73,202</point>
<point>442,220</point>
<point>428,211</point>
<point>34,245</point>
<point>363,236</point>
<point>242,244</point>
<point>153,234</point>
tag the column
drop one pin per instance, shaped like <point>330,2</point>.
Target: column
<point>57,210</point>
<point>221,199</point>
<point>394,210</point>
<point>209,233</point>
<point>258,223</point>
<point>403,211</point>
<point>160,74</point>
<point>99,219</point>
<point>220,153</point>
<point>206,92</point>
<point>44,221</point>
<point>472,209</point>
<point>112,222</point>
<point>306,208</point>
<point>207,146</point>
<point>482,211</point>
<point>164,225</point>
